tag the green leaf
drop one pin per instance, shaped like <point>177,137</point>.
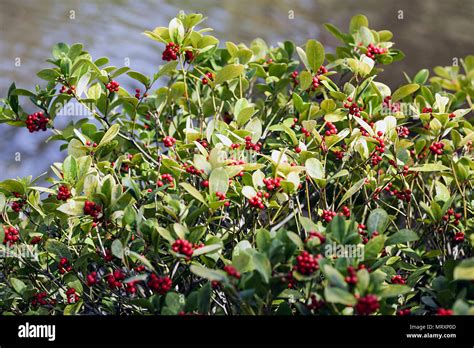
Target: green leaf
<point>166,69</point>
<point>335,277</point>
<point>207,273</point>
<point>208,249</point>
<point>73,207</point>
<point>72,309</point>
<point>378,221</point>
<point>429,167</point>
<point>117,249</point>
<point>110,134</point>
<point>465,270</point>
<point>129,216</point>
<point>402,237</point>
<point>305,79</point>
<point>218,181</point>
<point>245,114</point>
<point>421,76</point>
<point>357,22</point>
<point>394,290</point>
<point>193,192</point>
<point>48,74</point>
<point>263,266</point>
<point>139,77</point>
<point>13,186</point>
<point>314,168</point>
<point>18,285</point>
<point>228,73</point>
<point>57,248</point>
<point>404,91</point>
<point>314,54</point>
<point>338,295</point>
<point>354,188</point>
<point>70,168</point>
<point>373,247</point>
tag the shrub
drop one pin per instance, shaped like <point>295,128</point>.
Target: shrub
<point>257,180</point>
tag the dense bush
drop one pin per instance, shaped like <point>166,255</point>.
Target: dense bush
<point>258,180</point>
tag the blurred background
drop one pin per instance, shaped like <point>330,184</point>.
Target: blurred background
<point>431,33</point>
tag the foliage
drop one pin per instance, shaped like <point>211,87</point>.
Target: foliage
<point>233,187</point>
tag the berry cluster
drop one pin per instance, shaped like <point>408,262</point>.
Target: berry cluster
<point>222,197</point>
<point>362,229</point>
<point>232,271</point>
<point>367,305</point>
<point>35,240</point>
<point>352,276</point>
<point>388,105</point>
<point>17,206</point>
<point>115,279</point>
<point>138,96</point>
<point>451,215</point>
<point>251,146</point>
<point>169,141</point>
<point>295,122</point>
<point>306,132</point>
<point>112,86</point>
<point>315,83</point>
<point>322,70</point>
<point>92,209</point>
<point>184,247</point>
<point>427,110</point>
<point>373,51</point>
<point>36,122</point>
<point>306,263</point>
<point>63,193</point>
<point>257,201</point>
<point>402,312</point>
<point>64,266</point>
<point>190,169</point>
<point>458,237</point>
<point>39,299</point>
<point>376,157</point>
<point>130,287</point>
<point>272,183</point>
<point>68,90</point>
<point>207,77</point>
<point>166,177</point>
<point>437,148</point>
<point>92,279</point>
<point>171,52</point>
<point>345,211</point>
<point>11,235</point>
<point>314,303</point>
<point>160,285</point>
<point>108,256</point>
<point>71,295</point>
<point>403,132</point>
<point>188,56</point>
<point>403,195</point>
<point>354,108</point>
<point>327,215</point>
<point>330,129</point>
<point>443,311</point>
<point>314,234</point>
<point>294,77</point>
<point>398,279</point>
<point>339,154</point>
